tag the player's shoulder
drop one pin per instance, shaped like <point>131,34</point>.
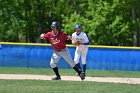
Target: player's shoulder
<point>61,32</point>
<point>73,34</point>
<point>48,33</point>
<point>83,33</point>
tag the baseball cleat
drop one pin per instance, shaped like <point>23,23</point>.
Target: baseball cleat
<point>82,75</point>
<point>77,74</point>
<point>56,78</point>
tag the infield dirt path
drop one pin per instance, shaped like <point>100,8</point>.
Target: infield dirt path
<point>70,78</point>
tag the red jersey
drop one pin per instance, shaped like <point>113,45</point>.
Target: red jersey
<point>57,41</point>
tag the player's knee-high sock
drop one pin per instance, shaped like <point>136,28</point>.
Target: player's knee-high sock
<point>84,67</point>
<point>77,70</point>
<point>78,65</point>
<point>56,71</point>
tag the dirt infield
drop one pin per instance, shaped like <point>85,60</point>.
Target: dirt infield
<point>70,78</point>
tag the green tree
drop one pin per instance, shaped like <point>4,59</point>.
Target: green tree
<point>107,22</point>
<point>11,20</point>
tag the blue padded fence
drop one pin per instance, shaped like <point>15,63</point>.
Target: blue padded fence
<point>98,58</point>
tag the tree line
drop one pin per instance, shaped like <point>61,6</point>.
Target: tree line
<point>106,22</point>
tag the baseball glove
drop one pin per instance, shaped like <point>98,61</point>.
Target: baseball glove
<point>76,43</point>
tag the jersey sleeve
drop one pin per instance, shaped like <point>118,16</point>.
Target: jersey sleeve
<point>86,40</point>
<point>73,36</point>
<point>46,35</point>
<point>65,36</point>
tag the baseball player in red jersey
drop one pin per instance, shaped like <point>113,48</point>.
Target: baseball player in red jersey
<point>57,40</point>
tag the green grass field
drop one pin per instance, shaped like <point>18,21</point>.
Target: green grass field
<point>48,71</point>
<point>39,86</point>
<point>45,86</point>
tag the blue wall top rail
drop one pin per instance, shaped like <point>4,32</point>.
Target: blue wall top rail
<point>70,45</point>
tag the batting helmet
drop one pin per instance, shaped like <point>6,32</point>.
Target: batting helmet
<point>78,27</point>
<point>55,24</point>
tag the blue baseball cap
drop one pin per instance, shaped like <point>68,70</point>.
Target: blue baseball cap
<point>78,27</point>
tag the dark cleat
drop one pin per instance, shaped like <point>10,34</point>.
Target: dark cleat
<point>82,75</point>
<point>56,78</point>
<point>79,75</point>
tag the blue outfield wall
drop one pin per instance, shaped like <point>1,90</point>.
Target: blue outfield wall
<point>98,58</point>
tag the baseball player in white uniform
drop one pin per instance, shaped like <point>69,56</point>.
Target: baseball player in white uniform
<point>82,49</point>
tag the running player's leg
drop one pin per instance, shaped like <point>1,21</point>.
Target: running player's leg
<point>84,55</point>
<point>66,55</point>
<point>54,60</point>
<point>76,58</point>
